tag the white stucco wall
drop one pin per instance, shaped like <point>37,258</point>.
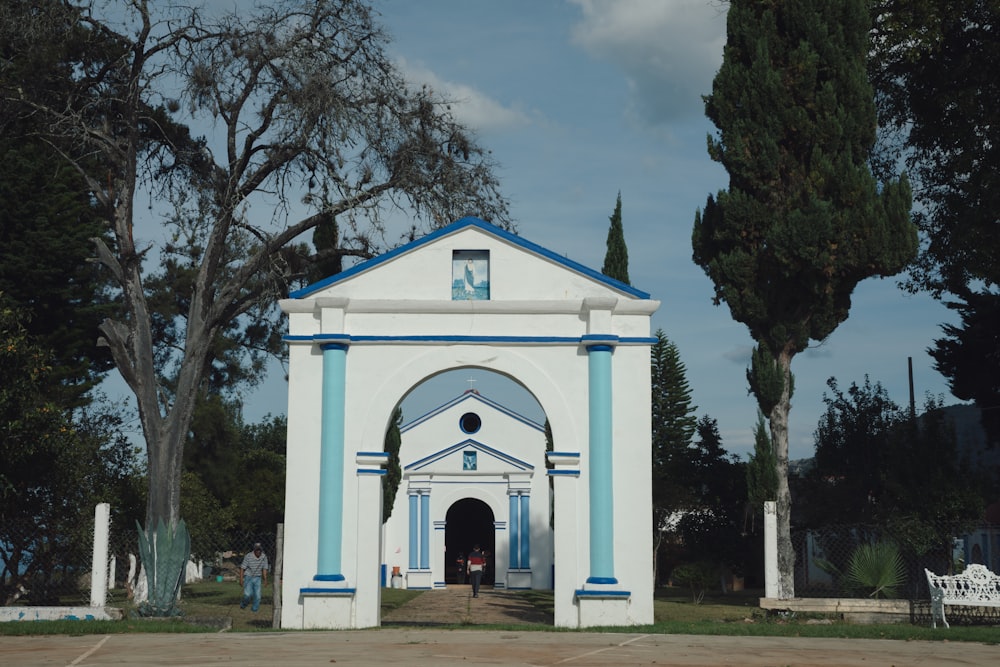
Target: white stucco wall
<point>401,325</point>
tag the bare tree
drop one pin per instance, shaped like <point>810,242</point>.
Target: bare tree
<point>305,121</point>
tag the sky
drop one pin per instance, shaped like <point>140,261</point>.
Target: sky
<point>579,100</point>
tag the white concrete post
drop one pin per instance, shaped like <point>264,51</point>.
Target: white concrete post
<point>770,549</point>
<point>99,566</point>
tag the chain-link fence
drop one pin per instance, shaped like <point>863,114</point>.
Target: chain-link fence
<point>849,561</point>
<point>45,569</point>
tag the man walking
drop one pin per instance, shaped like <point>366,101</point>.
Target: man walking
<point>253,571</point>
<point>476,562</point>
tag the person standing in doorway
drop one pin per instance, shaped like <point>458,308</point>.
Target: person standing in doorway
<point>253,572</point>
<point>476,562</point>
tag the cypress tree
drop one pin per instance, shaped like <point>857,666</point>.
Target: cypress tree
<point>803,220</point>
<point>616,257</point>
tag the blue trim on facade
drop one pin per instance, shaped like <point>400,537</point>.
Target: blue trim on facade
<point>372,471</point>
<point>414,517</point>
<point>384,455</point>
<point>566,473</point>
<point>329,577</point>
<point>329,592</point>
<point>472,340</point>
<point>524,534</point>
<point>602,594</point>
<point>455,227</point>
<point>513,549</point>
<point>469,395</point>
<point>425,533</point>
<point>466,444</point>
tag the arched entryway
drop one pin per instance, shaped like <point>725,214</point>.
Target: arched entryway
<point>469,522</point>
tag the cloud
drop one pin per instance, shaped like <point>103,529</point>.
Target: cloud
<point>739,355</point>
<point>668,50</point>
<point>471,107</point>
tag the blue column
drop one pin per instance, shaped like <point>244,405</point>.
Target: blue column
<point>331,464</point>
<point>414,531</point>
<point>525,532</point>
<point>425,530</point>
<point>602,529</point>
<point>514,524</point>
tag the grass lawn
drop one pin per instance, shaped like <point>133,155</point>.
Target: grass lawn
<point>213,606</point>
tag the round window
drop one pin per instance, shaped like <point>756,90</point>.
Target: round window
<point>470,422</point>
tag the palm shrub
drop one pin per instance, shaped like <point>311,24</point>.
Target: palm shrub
<point>876,569</point>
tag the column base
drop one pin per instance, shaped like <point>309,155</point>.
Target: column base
<point>327,605</point>
<point>420,580</point>
<point>603,605</point>
<point>519,580</point>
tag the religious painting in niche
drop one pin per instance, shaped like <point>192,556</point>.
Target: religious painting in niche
<point>470,275</point>
<point>469,460</point>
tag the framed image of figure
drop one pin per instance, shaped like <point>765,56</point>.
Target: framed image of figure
<point>470,275</point>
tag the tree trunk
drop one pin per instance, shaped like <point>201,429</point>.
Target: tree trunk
<point>783,503</point>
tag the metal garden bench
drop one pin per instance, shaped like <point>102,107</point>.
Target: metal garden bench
<point>975,587</point>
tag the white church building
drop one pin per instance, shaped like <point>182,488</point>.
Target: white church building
<point>576,519</point>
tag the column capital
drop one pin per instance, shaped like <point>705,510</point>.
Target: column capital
<point>599,342</point>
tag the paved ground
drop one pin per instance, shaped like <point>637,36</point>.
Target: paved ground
<point>409,638</point>
<point>423,647</point>
<point>455,605</point>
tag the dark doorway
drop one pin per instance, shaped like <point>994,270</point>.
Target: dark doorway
<point>468,522</point>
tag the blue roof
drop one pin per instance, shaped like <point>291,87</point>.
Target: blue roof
<point>457,226</point>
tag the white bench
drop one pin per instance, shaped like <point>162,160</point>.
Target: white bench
<point>976,587</point>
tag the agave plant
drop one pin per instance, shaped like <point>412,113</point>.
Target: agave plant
<point>876,569</point>
<point>164,555</point>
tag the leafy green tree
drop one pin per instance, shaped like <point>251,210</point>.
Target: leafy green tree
<point>289,110</point>
<point>936,87</point>
<point>259,501</point>
<point>214,449</point>
<point>852,449</point>
<point>936,93</point>
<point>803,220</point>
<point>616,257</point>
<point>52,467</point>
<point>713,531</point>
<point>969,356</point>
<point>931,491</point>
<point>210,524</point>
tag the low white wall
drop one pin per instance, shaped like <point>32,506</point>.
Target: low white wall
<point>59,614</point>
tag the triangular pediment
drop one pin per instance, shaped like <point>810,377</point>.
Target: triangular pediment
<point>450,459</point>
<point>510,267</point>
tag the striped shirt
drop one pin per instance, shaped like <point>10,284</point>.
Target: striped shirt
<point>253,565</point>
